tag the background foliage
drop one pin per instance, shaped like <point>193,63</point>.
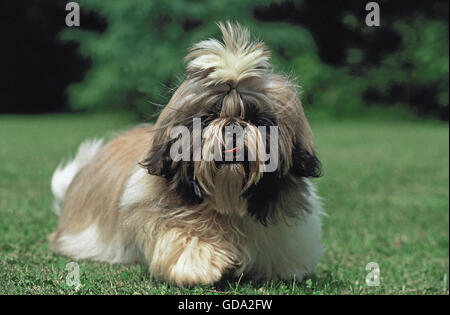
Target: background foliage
<point>129,53</point>
<point>386,183</point>
<point>342,65</point>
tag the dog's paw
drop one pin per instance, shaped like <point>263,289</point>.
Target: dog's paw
<point>193,262</point>
<point>189,274</point>
<point>199,263</point>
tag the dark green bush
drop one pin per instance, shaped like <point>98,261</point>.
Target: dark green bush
<point>139,57</point>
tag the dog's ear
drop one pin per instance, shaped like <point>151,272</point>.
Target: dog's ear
<point>298,155</point>
<point>158,161</point>
<point>179,178</point>
<point>305,164</point>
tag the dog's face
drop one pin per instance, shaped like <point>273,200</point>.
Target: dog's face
<point>229,87</point>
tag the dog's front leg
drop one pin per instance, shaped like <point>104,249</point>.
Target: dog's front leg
<point>183,258</point>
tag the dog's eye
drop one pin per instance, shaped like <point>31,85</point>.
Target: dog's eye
<point>251,112</point>
<point>206,119</point>
<point>264,121</point>
<point>217,106</point>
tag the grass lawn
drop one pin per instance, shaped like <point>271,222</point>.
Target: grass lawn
<point>385,189</point>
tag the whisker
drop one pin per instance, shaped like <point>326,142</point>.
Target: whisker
<point>155,104</point>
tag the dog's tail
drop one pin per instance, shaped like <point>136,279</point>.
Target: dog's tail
<point>64,173</point>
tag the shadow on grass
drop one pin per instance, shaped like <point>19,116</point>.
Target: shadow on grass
<point>311,284</point>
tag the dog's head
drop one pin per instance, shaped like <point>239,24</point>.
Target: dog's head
<point>234,132</point>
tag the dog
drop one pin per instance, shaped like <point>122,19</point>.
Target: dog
<point>196,220</point>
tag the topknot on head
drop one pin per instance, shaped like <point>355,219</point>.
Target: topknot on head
<point>231,61</point>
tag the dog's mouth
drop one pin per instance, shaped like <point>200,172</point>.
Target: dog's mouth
<point>230,151</point>
<point>230,161</point>
<point>234,157</point>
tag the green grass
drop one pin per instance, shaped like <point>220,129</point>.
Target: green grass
<point>385,189</point>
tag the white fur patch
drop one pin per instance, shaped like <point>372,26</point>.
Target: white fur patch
<point>234,60</point>
<point>87,245</point>
<point>286,251</point>
<point>136,189</point>
<point>64,174</point>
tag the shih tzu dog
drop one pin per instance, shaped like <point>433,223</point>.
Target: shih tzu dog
<point>191,200</point>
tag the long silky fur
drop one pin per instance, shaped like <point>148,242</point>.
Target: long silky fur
<point>192,222</point>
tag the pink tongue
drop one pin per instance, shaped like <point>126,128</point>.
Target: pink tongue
<point>231,150</point>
